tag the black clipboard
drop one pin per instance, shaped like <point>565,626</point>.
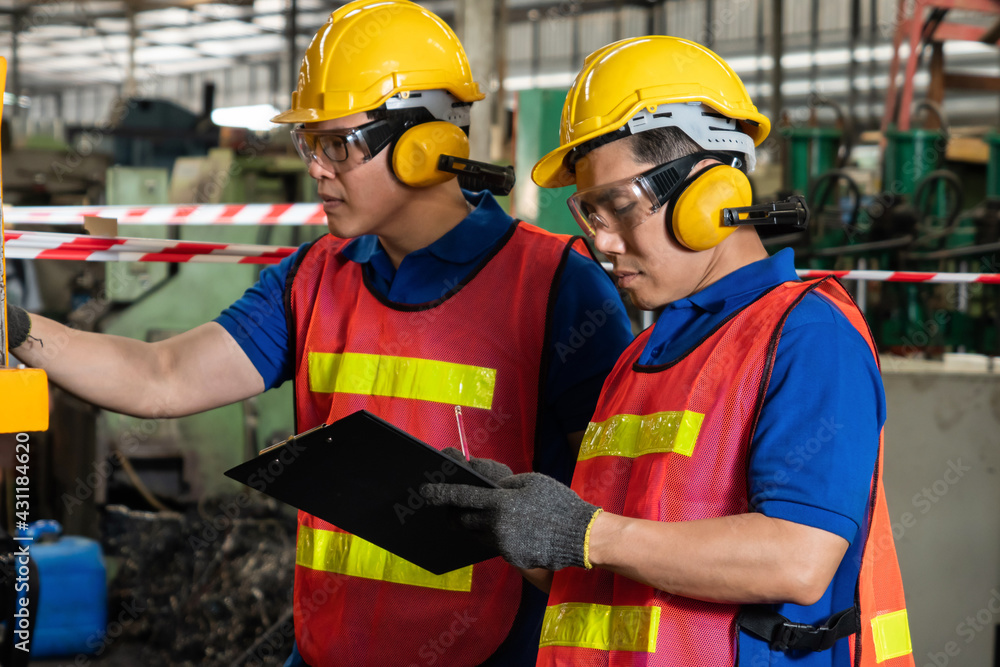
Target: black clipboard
<point>363,475</point>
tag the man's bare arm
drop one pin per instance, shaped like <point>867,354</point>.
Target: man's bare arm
<point>198,370</point>
<point>747,558</point>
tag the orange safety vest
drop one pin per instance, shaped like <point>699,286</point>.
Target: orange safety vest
<point>671,443</point>
<point>482,345</point>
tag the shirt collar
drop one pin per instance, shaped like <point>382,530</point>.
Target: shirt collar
<point>745,283</point>
<point>480,230</point>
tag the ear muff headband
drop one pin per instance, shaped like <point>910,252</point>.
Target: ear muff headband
<point>695,212</point>
<point>416,153</point>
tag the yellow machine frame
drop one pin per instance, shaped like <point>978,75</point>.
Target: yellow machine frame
<point>24,392</point>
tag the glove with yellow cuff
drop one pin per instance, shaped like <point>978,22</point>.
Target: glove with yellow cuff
<point>532,519</point>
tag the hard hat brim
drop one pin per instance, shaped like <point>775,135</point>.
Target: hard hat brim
<point>301,116</point>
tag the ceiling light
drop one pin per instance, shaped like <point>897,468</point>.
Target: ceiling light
<point>10,99</point>
<point>252,117</point>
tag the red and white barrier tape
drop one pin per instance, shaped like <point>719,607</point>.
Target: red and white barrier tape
<point>187,214</point>
<point>894,276</point>
<point>905,276</point>
<point>40,245</point>
<point>47,245</point>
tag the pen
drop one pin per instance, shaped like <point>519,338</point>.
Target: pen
<point>461,431</point>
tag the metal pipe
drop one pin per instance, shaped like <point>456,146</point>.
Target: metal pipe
<point>133,34</point>
<point>709,18</point>
<point>888,244</point>
<point>954,253</point>
<point>618,20</point>
<point>873,38</point>
<point>291,28</point>
<point>15,57</point>
<point>777,51</point>
<point>576,58</point>
<point>852,65</point>
<point>813,44</point>
<point>536,51</point>
<point>963,301</point>
<point>761,46</point>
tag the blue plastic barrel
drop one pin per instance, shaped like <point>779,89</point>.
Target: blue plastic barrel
<point>72,596</point>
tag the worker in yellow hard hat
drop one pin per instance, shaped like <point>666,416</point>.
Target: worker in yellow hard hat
<point>424,296</point>
<point>727,504</point>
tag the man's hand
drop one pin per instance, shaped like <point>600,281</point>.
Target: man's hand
<point>18,326</point>
<point>532,520</point>
<point>488,468</point>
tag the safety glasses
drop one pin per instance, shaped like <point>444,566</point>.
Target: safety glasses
<point>624,205</point>
<point>344,149</point>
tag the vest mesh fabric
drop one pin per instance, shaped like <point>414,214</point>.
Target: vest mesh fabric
<point>670,443</point>
<point>355,350</point>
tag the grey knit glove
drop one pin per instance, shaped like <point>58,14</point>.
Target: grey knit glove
<point>488,468</point>
<point>532,520</point>
<point>18,326</point>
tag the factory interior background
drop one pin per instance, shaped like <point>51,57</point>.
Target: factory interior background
<point>886,118</point>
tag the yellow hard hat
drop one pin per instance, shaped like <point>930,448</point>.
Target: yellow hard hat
<point>637,75</point>
<point>370,50</point>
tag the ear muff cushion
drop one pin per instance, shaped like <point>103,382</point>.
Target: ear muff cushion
<point>697,213</point>
<point>415,155</point>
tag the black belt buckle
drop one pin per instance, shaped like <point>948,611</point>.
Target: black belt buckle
<point>795,636</point>
<point>783,635</point>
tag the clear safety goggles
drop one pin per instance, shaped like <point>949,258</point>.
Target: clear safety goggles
<point>624,205</point>
<point>344,149</point>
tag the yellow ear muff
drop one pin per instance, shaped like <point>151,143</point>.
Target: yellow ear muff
<point>697,211</point>
<point>415,156</point>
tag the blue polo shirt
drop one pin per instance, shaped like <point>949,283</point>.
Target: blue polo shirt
<point>590,329</point>
<point>814,451</point>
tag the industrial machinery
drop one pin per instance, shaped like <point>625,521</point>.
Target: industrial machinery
<point>915,223</point>
<point>181,460</point>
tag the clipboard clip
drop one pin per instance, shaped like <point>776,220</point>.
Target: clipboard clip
<point>285,442</point>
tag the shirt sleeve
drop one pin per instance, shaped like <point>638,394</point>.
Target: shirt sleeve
<point>814,451</point>
<point>257,322</point>
<point>590,330</point>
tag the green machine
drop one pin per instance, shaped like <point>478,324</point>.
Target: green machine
<point>814,157</point>
<point>911,180</point>
<point>536,134</point>
<point>183,459</point>
<point>909,156</point>
<point>812,151</point>
<point>968,242</point>
<point>932,318</point>
<point>917,208</point>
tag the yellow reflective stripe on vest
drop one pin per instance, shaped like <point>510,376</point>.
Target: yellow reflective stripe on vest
<point>402,377</point>
<point>892,635</point>
<point>344,553</point>
<point>635,435</point>
<point>602,627</point>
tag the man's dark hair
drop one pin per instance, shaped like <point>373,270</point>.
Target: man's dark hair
<point>663,144</point>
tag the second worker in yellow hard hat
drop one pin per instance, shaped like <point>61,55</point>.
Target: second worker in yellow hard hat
<point>727,505</point>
